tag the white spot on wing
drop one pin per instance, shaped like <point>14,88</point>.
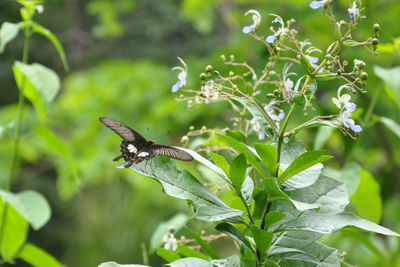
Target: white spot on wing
<point>143,154</point>
<point>131,148</point>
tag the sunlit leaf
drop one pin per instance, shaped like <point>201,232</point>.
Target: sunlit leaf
<point>186,262</point>
<point>8,32</point>
<point>37,257</point>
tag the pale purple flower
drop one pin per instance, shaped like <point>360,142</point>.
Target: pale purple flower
<point>271,38</point>
<point>278,117</point>
<point>256,21</point>
<point>258,129</point>
<point>349,123</point>
<point>316,4</point>
<point>344,100</point>
<point>313,61</point>
<point>353,11</point>
<point>181,76</point>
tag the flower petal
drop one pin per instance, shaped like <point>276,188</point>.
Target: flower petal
<point>355,128</point>
<point>270,39</point>
<point>248,29</point>
<point>350,106</point>
<point>261,135</point>
<point>177,86</point>
<point>316,4</point>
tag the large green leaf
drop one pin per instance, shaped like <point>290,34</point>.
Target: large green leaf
<point>237,171</point>
<point>181,184</point>
<point>8,32</point>
<point>186,262</point>
<point>367,199</point>
<point>37,257</point>
<point>232,261</point>
<point>114,264</point>
<point>168,255</point>
<point>31,205</point>
<point>349,175</point>
<point>391,76</point>
<point>268,155</point>
<point>305,161</point>
<point>220,161</point>
<point>15,230</point>
<point>247,190</point>
<point>291,254</point>
<point>178,221</point>
<point>262,239</point>
<point>190,252</point>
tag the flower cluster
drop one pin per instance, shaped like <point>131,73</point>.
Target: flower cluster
<point>346,108</point>
<point>181,76</point>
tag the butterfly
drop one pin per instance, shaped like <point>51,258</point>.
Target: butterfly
<point>135,148</point>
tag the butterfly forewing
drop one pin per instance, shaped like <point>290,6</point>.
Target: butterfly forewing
<point>171,152</point>
<point>126,133</point>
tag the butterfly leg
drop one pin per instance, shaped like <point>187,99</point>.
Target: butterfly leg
<point>128,164</point>
<point>119,157</point>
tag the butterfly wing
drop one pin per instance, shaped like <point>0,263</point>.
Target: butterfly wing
<point>170,152</point>
<point>127,133</point>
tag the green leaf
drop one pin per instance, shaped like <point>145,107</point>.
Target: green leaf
<point>220,161</point>
<point>391,77</point>
<point>291,254</point>
<point>305,161</point>
<point>391,125</point>
<point>168,255</point>
<point>262,239</point>
<point>40,84</point>
<point>207,163</point>
<point>273,217</point>
<point>114,264</point>
<point>232,261</point>
<point>186,262</point>
<point>181,184</point>
<point>247,190</point>
<point>237,171</point>
<point>15,230</point>
<point>204,245</point>
<point>53,39</point>
<point>242,148</point>
<point>32,205</point>
<point>349,175</point>
<point>327,223</point>
<point>268,155</point>
<point>189,252</point>
<point>8,32</point>
<point>367,199</point>
<point>329,194</point>
<point>234,233</point>
<point>323,134</point>
<point>37,257</point>
<point>178,221</point>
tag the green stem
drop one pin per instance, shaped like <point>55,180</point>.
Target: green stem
<point>17,133</point>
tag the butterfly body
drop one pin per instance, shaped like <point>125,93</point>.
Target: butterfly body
<point>135,148</point>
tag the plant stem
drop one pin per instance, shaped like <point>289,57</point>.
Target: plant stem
<point>17,133</point>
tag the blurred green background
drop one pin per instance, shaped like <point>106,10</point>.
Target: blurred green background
<point>120,54</point>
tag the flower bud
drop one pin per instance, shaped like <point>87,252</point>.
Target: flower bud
<point>231,73</point>
<point>191,127</point>
<point>359,64</point>
<point>209,68</point>
<point>364,75</point>
<point>202,76</point>
<point>223,57</point>
<point>171,229</point>
<point>375,41</point>
<point>277,92</point>
<point>377,27</point>
<point>203,128</point>
<point>232,57</point>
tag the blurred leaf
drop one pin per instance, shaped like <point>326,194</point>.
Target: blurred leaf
<point>32,205</point>
<point>114,264</point>
<point>237,171</point>
<point>323,134</point>
<point>204,245</point>
<point>247,190</point>
<point>54,40</point>
<point>37,257</point>
<point>349,175</point>
<point>262,239</point>
<point>273,217</point>
<point>367,198</point>
<point>8,32</point>
<point>181,184</point>
<point>168,255</point>
<point>391,125</point>
<point>178,221</point>
<point>235,234</point>
<point>268,155</point>
<point>40,84</point>
<point>305,161</point>
<point>220,161</point>
<point>242,148</point>
<point>15,230</point>
<point>200,13</point>
<point>189,252</point>
<point>391,77</point>
<point>190,262</point>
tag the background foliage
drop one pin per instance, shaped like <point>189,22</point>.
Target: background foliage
<point>120,54</point>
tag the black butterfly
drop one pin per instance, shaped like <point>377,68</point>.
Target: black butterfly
<point>135,149</point>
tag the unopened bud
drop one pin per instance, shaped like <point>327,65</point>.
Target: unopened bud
<point>203,76</point>
<point>364,75</point>
<point>209,68</point>
<point>223,57</point>
<point>377,27</point>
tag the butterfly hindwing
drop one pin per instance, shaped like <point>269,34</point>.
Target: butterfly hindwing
<point>125,132</point>
<point>170,152</point>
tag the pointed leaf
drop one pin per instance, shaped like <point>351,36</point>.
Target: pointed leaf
<point>237,171</point>
<point>305,161</point>
<point>234,233</point>
<point>247,190</point>
<point>262,238</point>
<point>189,252</point>
<point>37,257</point>
<point>268,155</point>
<point>220,161</point>
<point>168,255</point>
<point>8,32</point>
<point>273,217</point>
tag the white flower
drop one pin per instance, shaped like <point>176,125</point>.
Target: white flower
<point>181,76</point>
<point>271,110</point>
<point>170,242</point>
<point>349,123</point>
<point>39,8</point>
<point>344,100</point>
<point>210,92</point>
<point>256,21</point>
<point>271,38</point>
